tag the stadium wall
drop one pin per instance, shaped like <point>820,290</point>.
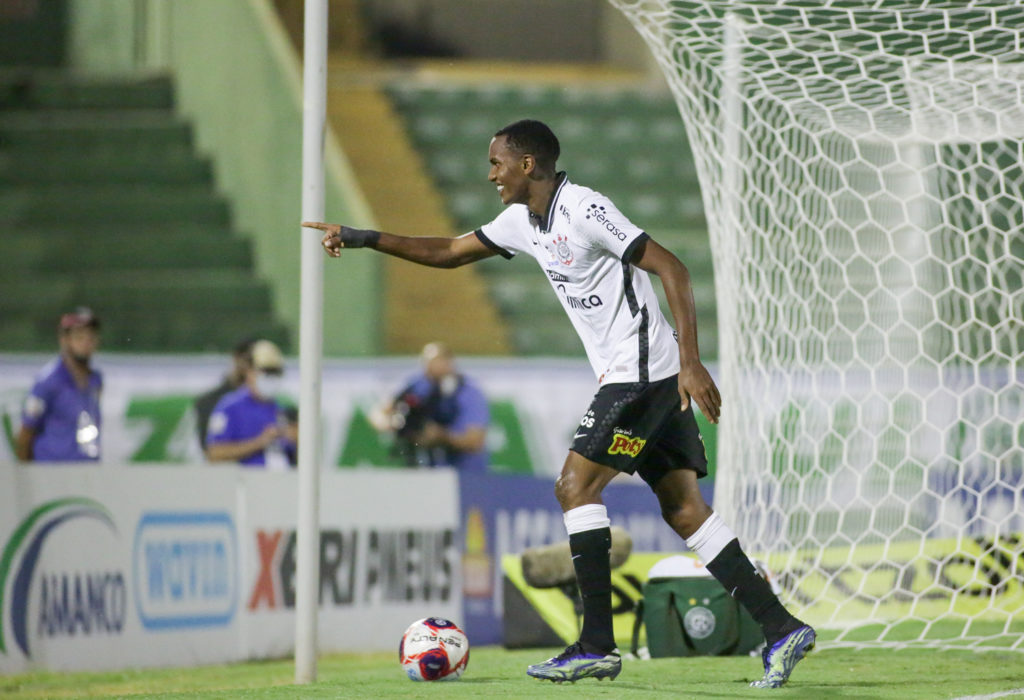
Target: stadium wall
<point>149,428</point>
<point>115,567</point>
<point>238,81</point>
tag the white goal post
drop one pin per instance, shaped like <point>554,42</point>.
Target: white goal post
<point>862,172</point>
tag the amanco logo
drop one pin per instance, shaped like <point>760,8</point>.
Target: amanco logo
<point>626,445</point>
<point>72,596</point>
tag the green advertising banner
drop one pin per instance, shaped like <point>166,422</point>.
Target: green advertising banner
<point>148,413</point>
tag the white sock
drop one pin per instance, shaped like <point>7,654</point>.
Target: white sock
<point>592,516</point>
<point>710,538</point>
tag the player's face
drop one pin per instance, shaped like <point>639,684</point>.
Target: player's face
<point>507,172</point>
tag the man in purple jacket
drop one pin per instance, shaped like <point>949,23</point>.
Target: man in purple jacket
<point>60,421</point>
<point>248,425</point>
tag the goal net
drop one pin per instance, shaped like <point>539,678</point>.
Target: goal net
<point>862,171</point>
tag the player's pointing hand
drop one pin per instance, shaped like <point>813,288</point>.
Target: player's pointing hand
<point>331,240</point>
<point>337,237</point>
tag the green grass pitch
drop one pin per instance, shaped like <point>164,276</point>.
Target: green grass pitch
<point>494,672</point>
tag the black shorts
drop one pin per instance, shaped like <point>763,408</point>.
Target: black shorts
<point>639,427</point>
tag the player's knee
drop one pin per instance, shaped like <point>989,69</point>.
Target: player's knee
<point>573,491</point>
<point>685,516</point>
<point>566,492</point>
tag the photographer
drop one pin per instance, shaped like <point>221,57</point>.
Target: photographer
<point>439,418</point>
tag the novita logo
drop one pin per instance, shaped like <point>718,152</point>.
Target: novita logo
<point>186,569</point>
<point>598,214</point>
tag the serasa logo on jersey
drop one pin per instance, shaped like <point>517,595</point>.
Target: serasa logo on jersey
<point>626,445</point>
<point>598,214</point>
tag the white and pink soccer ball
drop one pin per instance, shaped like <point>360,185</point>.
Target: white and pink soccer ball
<point>434,649</point>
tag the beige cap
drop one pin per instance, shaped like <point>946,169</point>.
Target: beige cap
<point>436,349</point>
<point>266,355</point>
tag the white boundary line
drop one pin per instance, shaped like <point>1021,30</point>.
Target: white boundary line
<point>991,696</point>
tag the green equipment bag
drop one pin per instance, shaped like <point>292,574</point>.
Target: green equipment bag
<point>693,616</point>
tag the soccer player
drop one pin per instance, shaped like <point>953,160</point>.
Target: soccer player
<point>641,419</point>
<point>60,421</point>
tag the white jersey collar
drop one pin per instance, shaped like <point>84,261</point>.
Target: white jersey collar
<point>545,225</point>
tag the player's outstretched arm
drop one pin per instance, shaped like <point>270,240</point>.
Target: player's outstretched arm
<point>432,251</point>
<point>694,380</point>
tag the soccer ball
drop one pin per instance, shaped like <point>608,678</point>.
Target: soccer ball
<point>434,649</point>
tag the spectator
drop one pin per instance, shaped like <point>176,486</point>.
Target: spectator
<point>241,360</point>
<point>249,425</point>
<point>60,421</point>
<point>440,418</point>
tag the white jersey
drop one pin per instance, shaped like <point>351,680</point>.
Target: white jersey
<point>582,244</point>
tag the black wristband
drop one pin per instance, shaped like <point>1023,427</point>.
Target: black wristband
<point>358,238</point>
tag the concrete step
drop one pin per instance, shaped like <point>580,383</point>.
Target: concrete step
<point>99,204</point>
<point>20,89</point>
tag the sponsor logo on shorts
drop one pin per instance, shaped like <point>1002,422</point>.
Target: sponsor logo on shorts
<point>626,445</point>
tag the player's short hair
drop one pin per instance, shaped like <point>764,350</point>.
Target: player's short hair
<point>532,137</point>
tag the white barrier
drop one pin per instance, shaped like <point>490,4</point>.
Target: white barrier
<point>118,566</point>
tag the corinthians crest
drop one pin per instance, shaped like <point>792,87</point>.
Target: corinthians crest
<point>563,250</point>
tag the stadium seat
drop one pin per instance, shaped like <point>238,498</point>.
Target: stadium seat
<point>104,201</point>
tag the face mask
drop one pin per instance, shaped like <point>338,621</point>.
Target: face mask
<point>268,385</point>
<point>448,384</point>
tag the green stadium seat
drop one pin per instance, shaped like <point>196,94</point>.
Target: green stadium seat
<point>46,90</point>
<point>105,202</point>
